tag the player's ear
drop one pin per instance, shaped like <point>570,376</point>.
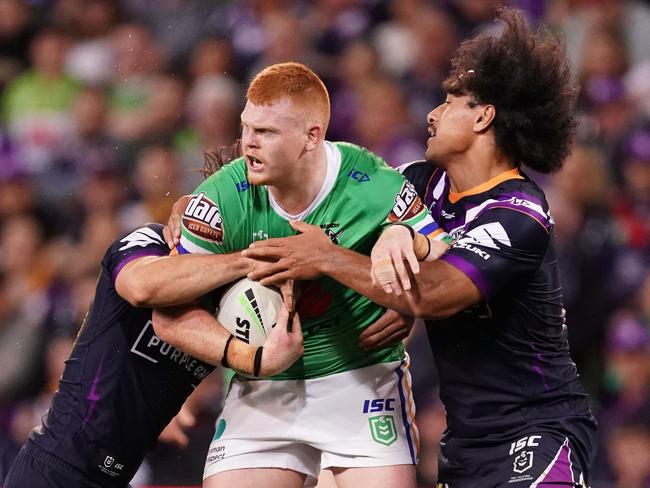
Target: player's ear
<point>314,135</point>
<point>484,117</point>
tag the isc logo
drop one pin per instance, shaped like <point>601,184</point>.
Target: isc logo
<point>379,405</point>
<point>530,441</point>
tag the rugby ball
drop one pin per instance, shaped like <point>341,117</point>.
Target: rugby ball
<point>249,310</point>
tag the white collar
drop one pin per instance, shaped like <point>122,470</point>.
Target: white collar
<point>332,168</point>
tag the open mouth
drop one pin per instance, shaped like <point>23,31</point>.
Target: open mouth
<point>254,164</point>
<point>432,131</point>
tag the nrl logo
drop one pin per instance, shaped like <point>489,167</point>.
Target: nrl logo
<point>523,462</point>
<point>382,429</point>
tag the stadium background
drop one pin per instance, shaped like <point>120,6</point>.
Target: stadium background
<point>107,106</point>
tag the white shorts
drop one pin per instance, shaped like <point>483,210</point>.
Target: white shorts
<point>359,418</point>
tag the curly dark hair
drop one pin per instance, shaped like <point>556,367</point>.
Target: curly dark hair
<point>526,76</point>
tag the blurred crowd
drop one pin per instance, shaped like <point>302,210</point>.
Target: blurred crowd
<point>107,107</point>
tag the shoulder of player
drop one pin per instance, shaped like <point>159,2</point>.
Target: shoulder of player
<point>151,233</point>
<point>228,187</point>
<point>147,240</point>
<point>517,199</point>
<point>363,166</point>
<point>424,176</point>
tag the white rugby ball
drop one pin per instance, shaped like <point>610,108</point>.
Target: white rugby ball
<point>249,310</point>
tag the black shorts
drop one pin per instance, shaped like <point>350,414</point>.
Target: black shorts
<point>539,457</point>
<point>37,468</point>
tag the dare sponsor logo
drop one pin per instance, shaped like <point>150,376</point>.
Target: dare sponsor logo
<point>203,219</point>
<point>407,204</point>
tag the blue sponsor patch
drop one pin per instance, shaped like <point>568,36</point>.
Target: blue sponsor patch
<point>242,186</point>
<point>358,176</point>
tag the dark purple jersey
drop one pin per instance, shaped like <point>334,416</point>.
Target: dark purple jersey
<point>504,364</point>
<point>121,385</point>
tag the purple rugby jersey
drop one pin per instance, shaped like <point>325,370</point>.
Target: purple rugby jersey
<point>121,385</point>
<point>504,364</point>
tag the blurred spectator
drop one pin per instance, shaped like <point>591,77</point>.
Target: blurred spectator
<point>629,455</point>
<point>382,123</point>
<point>588,244</point>
<point>631,207</point>
<point>358,65</point>
<point>137,60</point>
<point>637,85</point>
<point>211,56</point>
<point>88,149</point>
<point>626,396</point>
<point>36,104</point>
<point>630,17</point>
<point>213,107</point>
<point>178,37</point>
<point>90,59</point>
<point>24,279</point>
<point>435,36</point>
<point>16,33</point>
<point>156,180</point>
<point>603,98</point>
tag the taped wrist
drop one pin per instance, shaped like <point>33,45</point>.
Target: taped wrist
<point>257,363</point>
<point>224,357</point>
<point>421,246</point>
<point>240,356</point>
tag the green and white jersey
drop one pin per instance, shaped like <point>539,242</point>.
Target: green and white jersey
<point>360,196</point>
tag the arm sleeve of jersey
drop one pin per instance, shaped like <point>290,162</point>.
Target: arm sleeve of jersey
<point>499,247</point>
<point>147,240</point>
<point>410,209</point>
<point>203,230</point>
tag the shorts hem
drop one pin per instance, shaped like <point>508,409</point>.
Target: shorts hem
<point>366,463</point>
<point>260,465</point>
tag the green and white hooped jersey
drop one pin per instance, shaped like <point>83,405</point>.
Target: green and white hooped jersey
<point>360,196</point>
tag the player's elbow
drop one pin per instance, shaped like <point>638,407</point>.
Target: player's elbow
<point>163,326</point>
<point>138,296</point>
<point>134,290</point>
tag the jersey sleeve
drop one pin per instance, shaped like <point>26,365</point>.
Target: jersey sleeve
<point>147,240</point>
<point>205,229</point>
<point>500,247</point>
<point>409,209</point>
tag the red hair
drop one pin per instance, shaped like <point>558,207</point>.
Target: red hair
<point>296,82</point>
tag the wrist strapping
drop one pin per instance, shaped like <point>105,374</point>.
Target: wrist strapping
<point>224,358</point>
<point>257,364</point>
<point>421,246</point>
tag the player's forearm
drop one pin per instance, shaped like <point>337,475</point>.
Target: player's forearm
<point>353,270</point>
<point>173,280</point>
<point>438,291</point>
<point>197,333</point>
